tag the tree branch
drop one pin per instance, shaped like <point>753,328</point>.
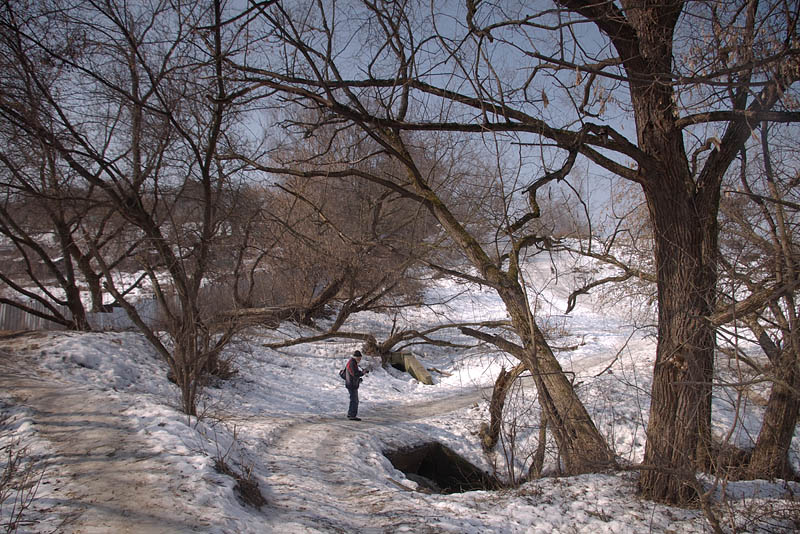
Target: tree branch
<point>501,343</point>
<point>751,115</point>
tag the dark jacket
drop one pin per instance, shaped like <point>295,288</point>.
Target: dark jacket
<point>352,375</point>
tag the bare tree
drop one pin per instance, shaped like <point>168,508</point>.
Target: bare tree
<point>55,226</point>
<point>348,239</point>
<point>760,267</point>
<point>35,220</point>
<point>756,291</point>
<point>48,214</point>
<point>137,106</point>
<point>695,78</point>
<point>380,109</point>
<point>352,242</point>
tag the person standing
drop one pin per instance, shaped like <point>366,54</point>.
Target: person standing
<point>352,379</point>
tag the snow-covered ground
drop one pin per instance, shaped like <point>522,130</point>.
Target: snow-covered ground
<point>280,424</point>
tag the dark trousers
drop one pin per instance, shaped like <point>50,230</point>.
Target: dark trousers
<point>352,411</point>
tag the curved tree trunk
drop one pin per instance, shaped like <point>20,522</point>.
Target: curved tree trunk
<point>490,434</point>
<point>581,446</point>
<point>537,463</point>
<point>770,458</point>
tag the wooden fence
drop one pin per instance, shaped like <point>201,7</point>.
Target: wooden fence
<point>12,318</point>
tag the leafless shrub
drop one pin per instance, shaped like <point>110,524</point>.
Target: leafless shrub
<point>246,487</point>
<point>19,482</point>
<point>774,516</point>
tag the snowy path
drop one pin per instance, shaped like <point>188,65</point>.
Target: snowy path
<point>97,477</point>
<point>101,477</point>
<point>311,462</point>
<point>317,473</point>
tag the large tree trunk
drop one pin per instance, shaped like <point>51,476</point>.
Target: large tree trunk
<point>678,432</point>
<point>683,211</point>
<point>93,280</point>
<point>187,363</point>
<point>68,281</point>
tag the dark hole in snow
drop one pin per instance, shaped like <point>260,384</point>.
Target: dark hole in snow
<point>436,468</point>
